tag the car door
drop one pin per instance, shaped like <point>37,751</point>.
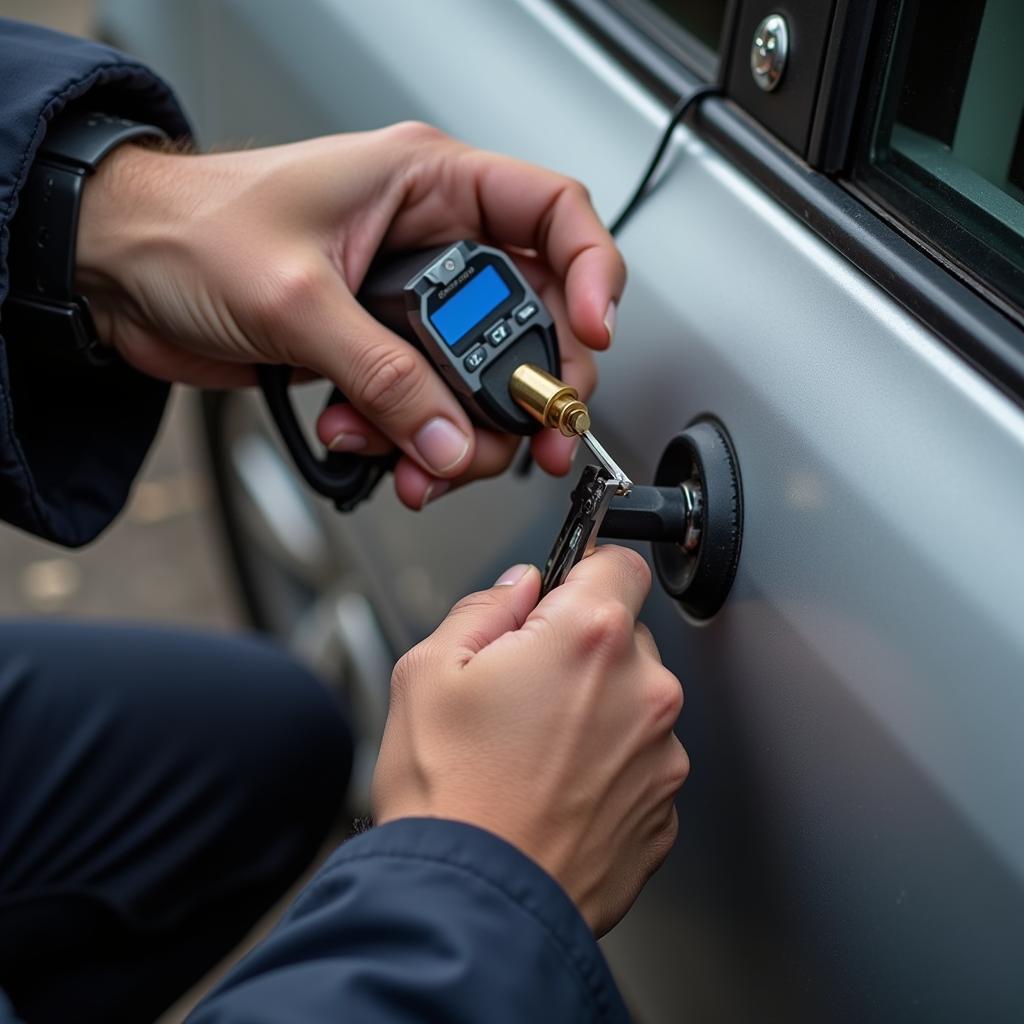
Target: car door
<point>832,269</point>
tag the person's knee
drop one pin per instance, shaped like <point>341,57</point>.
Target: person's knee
<point>263,737</point>
<point>299,742</point>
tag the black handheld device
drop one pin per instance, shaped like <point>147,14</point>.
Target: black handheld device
<point>468,308</point>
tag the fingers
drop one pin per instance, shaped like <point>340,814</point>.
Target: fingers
<point>492,454</point>
<point>645,641</point>
<point>162,358</point>
<point>553,452</point>
<point>479,619</point>
<point>533,208</point>
<point>610,573</point>
<point>457,191</point>
<point>391,384</point>
<point>415,488</point>
<point>344,429</point>
<point>614,570</point>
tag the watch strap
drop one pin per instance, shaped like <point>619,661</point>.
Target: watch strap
<point>44,232</point>
<point>83,139</point>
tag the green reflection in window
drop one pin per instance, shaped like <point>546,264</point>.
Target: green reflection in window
<point>961,107</point>
<point>951,132</point>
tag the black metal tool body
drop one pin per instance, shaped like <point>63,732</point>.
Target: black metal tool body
<point>693,516</point>
<point>470,311</point>
<point>588,506</point>
<point>599,508</point>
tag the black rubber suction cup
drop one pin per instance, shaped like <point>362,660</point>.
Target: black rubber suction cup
<point>698,572</point>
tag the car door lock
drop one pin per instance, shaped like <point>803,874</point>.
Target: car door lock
<point>692,515</point>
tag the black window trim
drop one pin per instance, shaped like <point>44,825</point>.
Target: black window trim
<point>666,75</point>
<point>671,37</point>
<point>921,281</point>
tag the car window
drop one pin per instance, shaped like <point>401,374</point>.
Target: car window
<point>947,152</point>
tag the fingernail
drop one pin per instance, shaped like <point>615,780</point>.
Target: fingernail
<point>511,576</point>
<point>610,315</point>
<point>441,444</point>
<point>434,490</point>
<point>574,449</point>
<point>345,442</point>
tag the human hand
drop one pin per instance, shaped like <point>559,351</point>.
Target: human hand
<point>547,724</point>
<point>196,267</point>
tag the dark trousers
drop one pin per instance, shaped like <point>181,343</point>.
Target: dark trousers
<point>158,791</point>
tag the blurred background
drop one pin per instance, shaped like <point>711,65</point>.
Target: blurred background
<point>167,534</point>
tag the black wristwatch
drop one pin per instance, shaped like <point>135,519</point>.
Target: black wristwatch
<point>42,303</point>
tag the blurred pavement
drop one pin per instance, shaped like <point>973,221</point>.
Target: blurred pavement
<point>74,16</point>
<point>161,559</point>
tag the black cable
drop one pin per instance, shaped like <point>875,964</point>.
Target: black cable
<point>679,111</point>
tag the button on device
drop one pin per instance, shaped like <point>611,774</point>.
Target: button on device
<point>499,332</point>
<point>525,311</point>
<point>447,268</point>
<point>475,359</point>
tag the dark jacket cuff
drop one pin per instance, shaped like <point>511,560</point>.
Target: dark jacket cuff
<point>72,437</point>
<point>423,920</point>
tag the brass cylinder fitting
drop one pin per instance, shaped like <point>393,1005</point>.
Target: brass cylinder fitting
<point>549,400</point>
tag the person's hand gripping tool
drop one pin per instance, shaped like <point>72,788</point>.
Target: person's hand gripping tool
<point>467,307</point>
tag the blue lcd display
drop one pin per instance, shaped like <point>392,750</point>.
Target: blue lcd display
<point>478,299</point>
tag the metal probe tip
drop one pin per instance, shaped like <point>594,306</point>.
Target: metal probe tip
<point>625,485</point>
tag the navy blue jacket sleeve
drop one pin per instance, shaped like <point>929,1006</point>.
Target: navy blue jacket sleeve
<point>423,920</point>
<point>72,437</point>
<point>7,1011</point>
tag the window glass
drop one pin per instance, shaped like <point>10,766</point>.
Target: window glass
<point>948,149</point>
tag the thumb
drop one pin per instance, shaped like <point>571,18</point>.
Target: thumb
<point>479,619</point>
<point>395,387</point>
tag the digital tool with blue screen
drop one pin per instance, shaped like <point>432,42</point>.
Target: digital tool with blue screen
<point>471,311</point>
<point>470,305</point>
